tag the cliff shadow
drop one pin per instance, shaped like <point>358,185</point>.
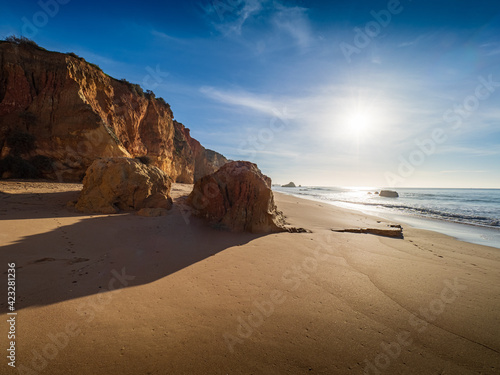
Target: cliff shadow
<point>37,205</point>
<point>83,258</point>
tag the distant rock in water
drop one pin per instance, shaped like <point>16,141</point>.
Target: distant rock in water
<point>237,197</point>
<point>115,184</point>
<point>290,184</point>
<point>388,194</point>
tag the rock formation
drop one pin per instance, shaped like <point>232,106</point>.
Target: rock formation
<point>290,184</point>
<point>393,231</point>
<point>193,160</point>
<point>76,113</point>
<point>388,194</point>
<point>237,197</point>
<point>115,184</point>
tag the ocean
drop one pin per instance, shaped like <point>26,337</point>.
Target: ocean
<point>471,215</point>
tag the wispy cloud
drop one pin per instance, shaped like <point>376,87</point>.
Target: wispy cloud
<point>326,106</point>
<point>249,9</point>
<point>260,19</point>
<point>410,42</point>
<point>166,37</point>
<point>491,49</point>
<point>471,151</point>
<point>229,17</point>
<point>282,153</point>
<point>493,52</point>
<point>402,111</point>
<point>418,39</point>
<point>244,99</point>
<point>294,21</point>
<point>98,59</point>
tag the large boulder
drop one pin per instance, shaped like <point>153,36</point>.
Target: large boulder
<point>237,197</point>
<point>290,184</point>
<point>115,184</point>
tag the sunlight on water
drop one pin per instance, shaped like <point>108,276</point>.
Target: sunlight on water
<point>478,208</point>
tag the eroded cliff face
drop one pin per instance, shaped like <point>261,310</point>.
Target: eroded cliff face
<point>77,114</point>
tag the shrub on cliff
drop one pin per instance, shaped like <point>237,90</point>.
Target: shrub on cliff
<point>23,41</point>
<point>94,65</point>
<point>74,55</point>
<point>134,87</point>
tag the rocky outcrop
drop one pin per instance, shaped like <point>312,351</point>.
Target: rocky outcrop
<point>393,231</point>
<point>388,194</point>
<point>237,197</point>
<point>194,161</point>
<point>115,184</point>
<point>76,113</point>
<point>290,184</point>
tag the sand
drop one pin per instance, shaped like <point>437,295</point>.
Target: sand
<point>124,294</point>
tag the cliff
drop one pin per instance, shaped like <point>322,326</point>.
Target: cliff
<point>73,113</point>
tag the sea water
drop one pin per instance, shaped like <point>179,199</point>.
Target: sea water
<point>471,215</point>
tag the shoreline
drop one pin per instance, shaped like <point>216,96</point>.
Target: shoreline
<point>168,295</point>
<point>465,232</point>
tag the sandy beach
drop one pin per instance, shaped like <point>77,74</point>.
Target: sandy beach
<point>124,294</point>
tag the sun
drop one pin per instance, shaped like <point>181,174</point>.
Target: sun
<point>361,119</point>
<point>358,122</point>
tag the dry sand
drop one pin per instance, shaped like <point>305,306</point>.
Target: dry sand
<point>124,294</point>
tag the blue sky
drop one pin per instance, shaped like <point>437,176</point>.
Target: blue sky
<point>342,93</point>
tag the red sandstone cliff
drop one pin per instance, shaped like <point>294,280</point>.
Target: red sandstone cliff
<point>76,113</point>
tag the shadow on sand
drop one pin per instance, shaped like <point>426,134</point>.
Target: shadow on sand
<point>81,258</point>
<point>22,206</point>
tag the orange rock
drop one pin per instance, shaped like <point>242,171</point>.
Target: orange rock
<point>237,197</point>
<point>115,184</point>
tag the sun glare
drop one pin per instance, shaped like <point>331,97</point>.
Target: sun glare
<point>359,118</point>
<point>358,122</point>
